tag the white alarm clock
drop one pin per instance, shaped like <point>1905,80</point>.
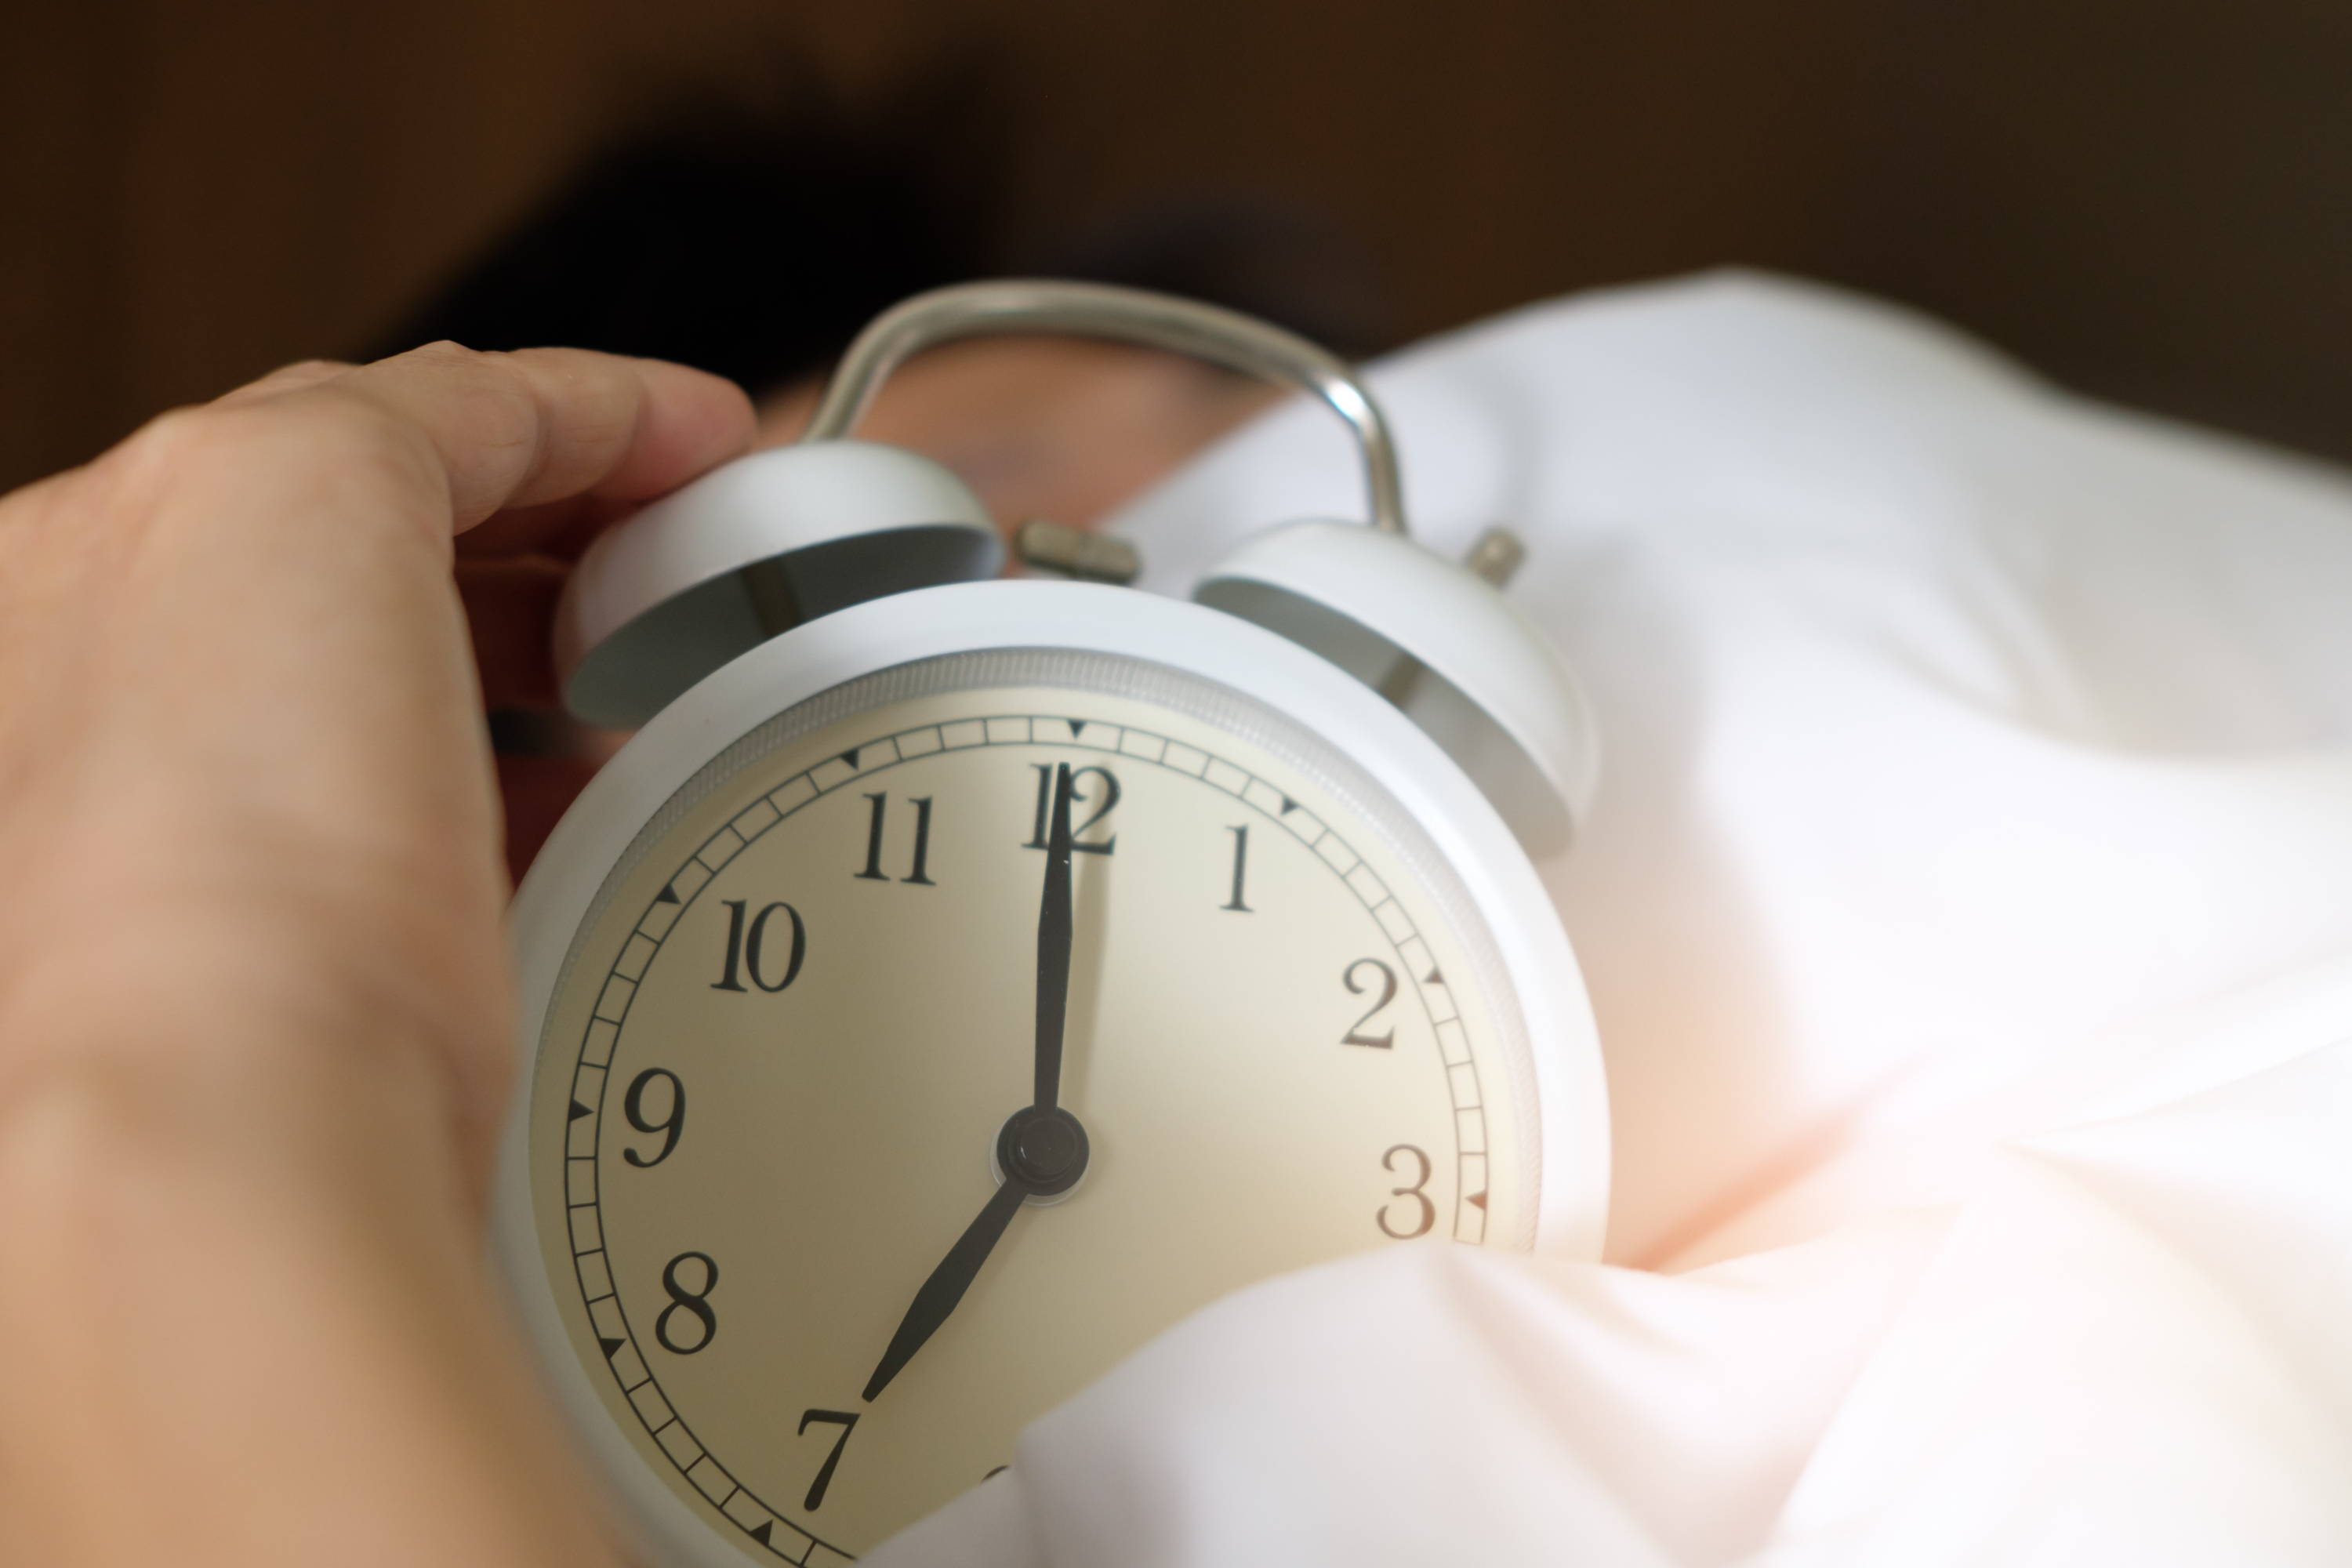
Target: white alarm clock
<point>956,981</point>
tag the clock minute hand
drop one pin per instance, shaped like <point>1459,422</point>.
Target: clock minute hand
<point>948,1281</point>
<point>1053,946</point>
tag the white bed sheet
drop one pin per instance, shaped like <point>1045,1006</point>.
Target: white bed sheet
<point>1967,908</point>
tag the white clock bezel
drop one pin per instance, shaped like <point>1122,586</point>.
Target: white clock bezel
<point>1571,1112</point>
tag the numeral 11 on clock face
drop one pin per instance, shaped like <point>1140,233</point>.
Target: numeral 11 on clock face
<point>875,822</point>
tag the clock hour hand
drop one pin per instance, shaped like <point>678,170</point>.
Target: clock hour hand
<point>1054,947</point>
<point>948,1281</point>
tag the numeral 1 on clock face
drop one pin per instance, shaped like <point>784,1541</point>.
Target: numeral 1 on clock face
<point>1241,869</point>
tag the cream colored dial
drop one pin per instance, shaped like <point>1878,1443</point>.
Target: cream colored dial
<point>771,1083</point>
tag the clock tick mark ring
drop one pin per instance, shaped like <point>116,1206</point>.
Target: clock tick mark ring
<point>1043,1148</point>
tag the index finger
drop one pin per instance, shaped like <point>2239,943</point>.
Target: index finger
<point>541,425</point>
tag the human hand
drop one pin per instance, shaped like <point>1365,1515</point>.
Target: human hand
<point>253,1008</point>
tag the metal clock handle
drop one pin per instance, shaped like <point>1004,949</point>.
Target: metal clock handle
<point>1047,307</point>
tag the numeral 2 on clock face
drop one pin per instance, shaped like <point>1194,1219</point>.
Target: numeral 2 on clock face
<point>1388,985</point>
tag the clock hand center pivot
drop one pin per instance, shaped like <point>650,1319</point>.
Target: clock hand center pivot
<point>1043,1148</point>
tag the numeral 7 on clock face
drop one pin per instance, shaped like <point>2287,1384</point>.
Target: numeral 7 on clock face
<point>847,1421</point>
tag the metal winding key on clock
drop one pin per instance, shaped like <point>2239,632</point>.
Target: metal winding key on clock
<point>1181,944</point>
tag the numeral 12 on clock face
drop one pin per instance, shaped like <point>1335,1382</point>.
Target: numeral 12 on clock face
<point>1091,786</point>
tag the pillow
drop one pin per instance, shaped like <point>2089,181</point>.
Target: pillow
<point>1953,727</point>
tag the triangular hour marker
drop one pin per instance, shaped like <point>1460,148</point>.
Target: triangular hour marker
<point>1075,725</point>
<point>767,1527</point>
<point>1478,1198</point>
<point>578,1110</point>
<point>611,1347</point>
<point>1289,805</point>
<point>850,756</point>
<point>667,896</point>
<point>1434,977</point>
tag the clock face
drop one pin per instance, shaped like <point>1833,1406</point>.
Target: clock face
<point>795,1049</point>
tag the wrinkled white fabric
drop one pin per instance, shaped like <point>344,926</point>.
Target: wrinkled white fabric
<point>1967,910</point>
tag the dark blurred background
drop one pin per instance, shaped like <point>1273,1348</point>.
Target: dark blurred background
<point>2149,199</point>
